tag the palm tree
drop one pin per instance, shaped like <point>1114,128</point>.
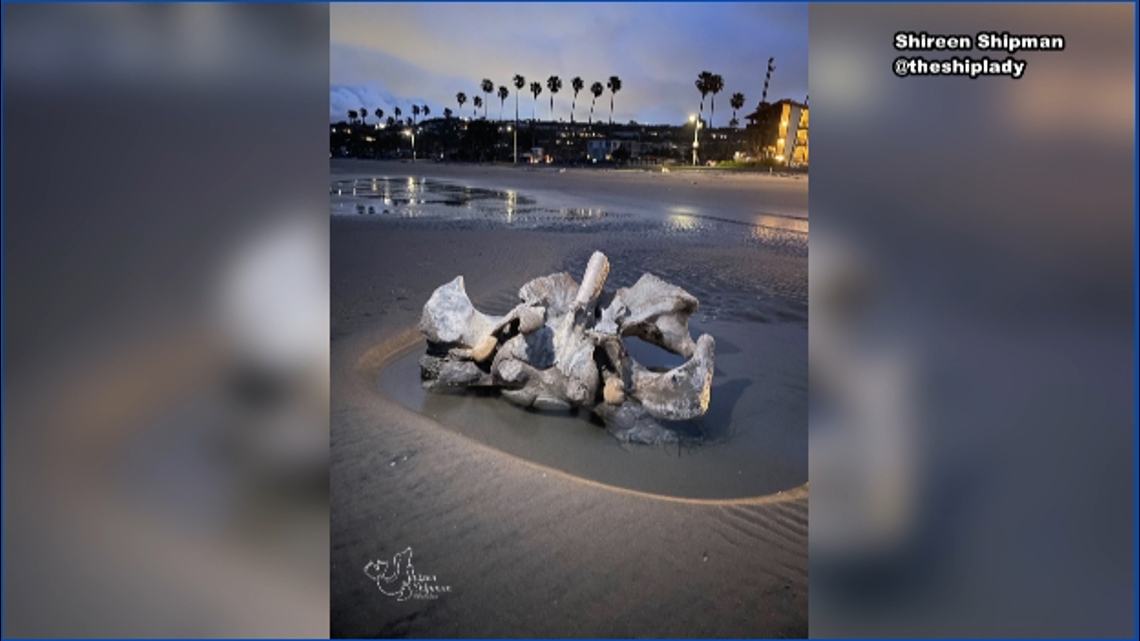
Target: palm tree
<point>415,114</point>
<point>715,87</point>
<point>736,101</point>
<point>477,102</point>
<point>576,84</point>
<point>488,88</point>
<point>379,116</point>
<point>614,85</point>
<point>391,121</point>
<point>351,116</point>
<point>535,88</point>
<point>519,83</point>
<point>503,94</point>
<point>597,90</point>
<point>409,122</point>
<point>461,98</point>
<point>704,83</point>
<point>554,84</point>
<point>447,113</point>
<point>363,114</point>
<point>426,111</point>
<point>397,112</point>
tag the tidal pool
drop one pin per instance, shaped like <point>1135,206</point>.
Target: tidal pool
<point>753,437</point>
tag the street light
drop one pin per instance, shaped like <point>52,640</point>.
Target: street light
<point>696,129</point>
<point>412,134</point>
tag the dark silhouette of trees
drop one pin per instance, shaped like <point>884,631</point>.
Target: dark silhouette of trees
<point>597,89</point>
<point>519,83</point>
<point>736,102</point>
<point>554,84</point>
<point>536,89</point>
<point>614,85</point>
<point>488,88</point>
<point>704,85</point>
<point>716,85</point>
<point>504,93</point>
<point>576,84</point>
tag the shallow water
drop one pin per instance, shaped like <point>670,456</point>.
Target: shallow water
<point>754,431</point>
<point>424,198</point>
<point>429,198</point>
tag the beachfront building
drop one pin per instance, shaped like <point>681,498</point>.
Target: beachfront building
<point>779,131</point>
<point>534,155</point>
<point>605,150</point>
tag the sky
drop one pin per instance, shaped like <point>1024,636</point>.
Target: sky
<point>396,55</point>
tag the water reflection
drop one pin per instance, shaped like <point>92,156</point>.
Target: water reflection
<point>786,223</point>
<point>412,197</point>
<point>683,222</point>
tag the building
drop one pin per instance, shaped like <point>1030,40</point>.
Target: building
<point>779,131</point>
<point>603,150</point>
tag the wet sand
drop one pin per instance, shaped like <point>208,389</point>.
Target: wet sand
<point>529,546</point>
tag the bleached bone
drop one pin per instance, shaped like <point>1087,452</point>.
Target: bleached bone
<point>556,351</point>
<point>654,311</point>
<point>594,279</point>
<point>683,392</point>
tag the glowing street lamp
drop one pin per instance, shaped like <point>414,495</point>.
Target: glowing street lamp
<point>696,129</point>
<point>412,134</point>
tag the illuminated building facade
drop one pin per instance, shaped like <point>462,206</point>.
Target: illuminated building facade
<point>779,131</point>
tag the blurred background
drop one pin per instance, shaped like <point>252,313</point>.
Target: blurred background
<point>166,325</point>
<point>165,320</point>
<point>972,329</point>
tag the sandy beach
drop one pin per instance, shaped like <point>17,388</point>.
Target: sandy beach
<point>545,526</point>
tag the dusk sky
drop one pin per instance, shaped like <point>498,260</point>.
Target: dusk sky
<point>388,55</point>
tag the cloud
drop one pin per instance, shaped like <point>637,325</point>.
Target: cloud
<point>425,54</point>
